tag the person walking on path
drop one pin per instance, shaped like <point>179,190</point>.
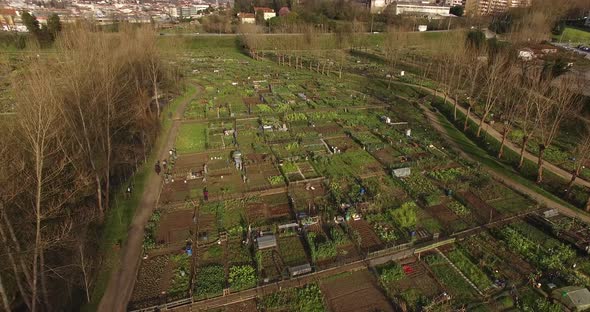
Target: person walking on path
<point>164,164</point>
<point>157,167</point>
<point>205,194</point>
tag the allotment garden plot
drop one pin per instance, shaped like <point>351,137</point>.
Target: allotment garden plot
<point>279,172</point>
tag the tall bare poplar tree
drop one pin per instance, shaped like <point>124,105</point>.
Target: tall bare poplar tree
<point>563,101</point>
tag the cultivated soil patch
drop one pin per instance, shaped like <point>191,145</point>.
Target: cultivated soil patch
<point>175,226</point>
<point>355,292</point>
<point>369,240</point>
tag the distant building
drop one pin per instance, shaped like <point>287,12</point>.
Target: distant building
<point>187,11</point>
<point>487,7</point>
<point>9,20</point>
<point>455,2</point>
<point>267,12</point>
<point>247,18</point>
<point>413,8</point>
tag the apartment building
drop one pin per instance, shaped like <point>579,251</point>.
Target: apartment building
<point>487,7</point>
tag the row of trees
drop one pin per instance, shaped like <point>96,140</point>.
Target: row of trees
<point>322,54</point>
<point>85,116</point>
<point>531,98</point>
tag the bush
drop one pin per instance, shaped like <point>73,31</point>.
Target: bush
<point>242,277</point>
<point>210,280</point>
<point>390,273</point>
<point>405,216</point>
<point>338,236</point>
<point>321,247</point>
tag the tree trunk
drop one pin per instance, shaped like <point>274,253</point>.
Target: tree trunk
<point>36,248</point>
<point>5,302</point>
<point>501,151</point>
<point>156,95</point>
<point>16,243</point>
<point>99,196</point>
<point>108,172</point>
<point>43,277</point>
<point>540,164</point>
<point>12,261</point>
<point>483,118</point>
<point>455,109</point>
<point>84,273</point>
<point>525,140</point>
<point>466,124</point>
<point>575,175</point>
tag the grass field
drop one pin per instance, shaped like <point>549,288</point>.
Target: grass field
<point>574,35</point>
<point>191,138</point>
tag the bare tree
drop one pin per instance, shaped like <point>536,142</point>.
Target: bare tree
<point>527,118</point>
<point>77,114</point>
<point>39,123</point>
<point>473,76</point>
<point>562,102</point>
<point>581,155</point>
<point>393,44</point>
<point>509,107</point>
<point>494,76</point>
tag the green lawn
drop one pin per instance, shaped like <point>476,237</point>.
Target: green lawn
<point>192,137</point>
<point>574,35</point>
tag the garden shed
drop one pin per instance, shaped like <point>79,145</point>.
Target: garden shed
<point>267,241</point>
<point>575,298</point>
<point>299,270</point>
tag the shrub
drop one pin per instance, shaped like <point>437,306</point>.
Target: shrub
<point>405,216</point>
<point>210,280</point>
<point>242,277</point>
<point>390,273</point>
<point>338,236</point>
<point>321,247</point>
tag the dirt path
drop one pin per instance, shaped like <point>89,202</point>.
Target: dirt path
<point>122,280</point>
<point>508,144</point>
<point>432,117</point>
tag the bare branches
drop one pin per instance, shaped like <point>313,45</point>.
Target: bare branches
<point>75,111</point>
<point>562,101</point>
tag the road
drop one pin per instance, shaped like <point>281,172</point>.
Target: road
<point>498,136</point>
<point>121,283</point>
